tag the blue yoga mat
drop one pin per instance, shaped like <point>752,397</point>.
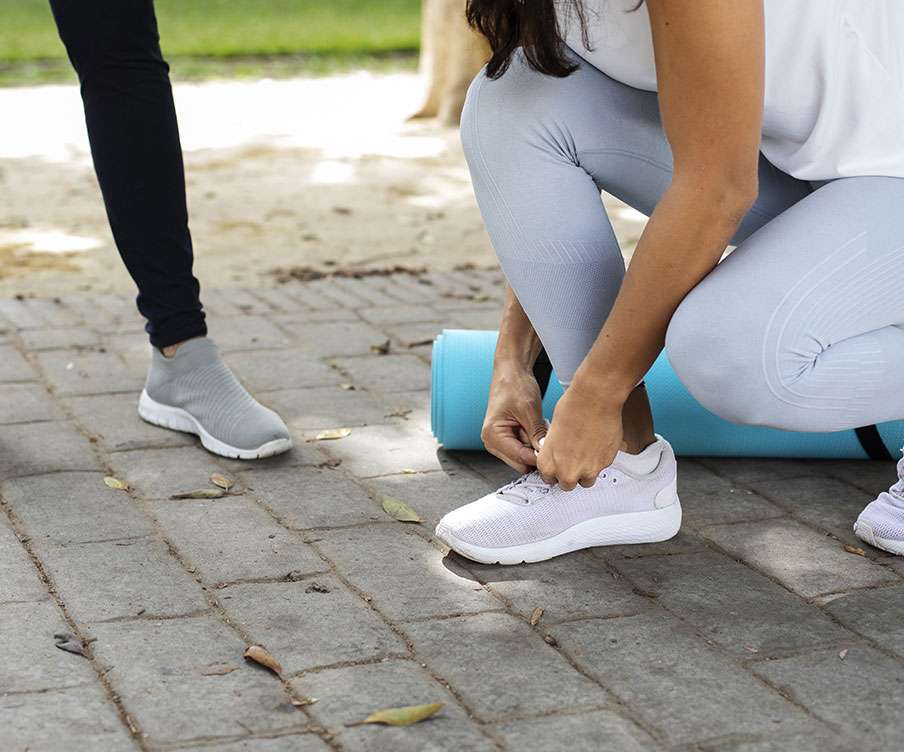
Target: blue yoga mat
<point>463,366</point>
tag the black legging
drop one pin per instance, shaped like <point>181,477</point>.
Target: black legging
<point>131,120</point>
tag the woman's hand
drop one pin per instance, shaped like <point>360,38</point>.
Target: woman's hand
<point>514,423</point>
<point>583,438</point>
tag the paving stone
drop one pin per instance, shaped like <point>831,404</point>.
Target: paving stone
<point>400,313</point>
<point>352,693</point>
<point>293,322</point>
<point>500,667</point>
<point>479,320</point>
<point>158,669</point>
<point>60,337</point>
<point>269,370</point>
<point>30,659</point>
<point>123,309</point>
<point>302,453</point>
<point>384,450</point>
<point>569,587</point>
<point>232,539</point>
<point>816,741</point>
<point>19,316</point>
<point>361,292</point>
<point>870,476</point>
<point>51,311</point>
<point>804,561</point>
<point>410,289</point>
<point>32,449</point>
<point>861,695</point>
<point>160,473</point>
<point>823,503</point>
<point>417,337</point>
<point>246,333</point>
<point>707,499</point>
<point>403,573</point>
<point>87,372</point>
<point>731,605</point>
<point>301,742</point>
<point>247,302</point>
<point>332,339</point>
<point>873,613</point>
<point>311,297</point>
<point>747,470</point>
<point>24,403</point>
<point>91,314</point>
<point>387,373</point>
<point>82,716</point>
<point>433,494</point>
<point>218,304</point>
<point>73,508</point>
<point>303,630</point>
<point>326,407</point>
<point>587,732</point>
<point>682,543</point>
<point>114,421</point>
<point>100,581</point>
<point>496,472</point>
<point>328,289</point>
<point>673,681</point>
<point>278,300</point>
<point>13,367</point>
<point>19,580</point>
<point>313,497</point>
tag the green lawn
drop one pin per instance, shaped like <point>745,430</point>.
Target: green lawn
<point>247,35</point>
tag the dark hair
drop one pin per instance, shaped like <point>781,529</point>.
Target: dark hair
<point>531,24</point>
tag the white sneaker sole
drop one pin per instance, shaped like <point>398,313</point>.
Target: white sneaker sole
<point>865,532</point>
<point>178,419</point>
<point>616,529</point>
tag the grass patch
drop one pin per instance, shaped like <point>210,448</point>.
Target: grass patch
<point>233,38</point>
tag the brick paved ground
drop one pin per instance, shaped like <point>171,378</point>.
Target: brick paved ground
<point>741,649</point>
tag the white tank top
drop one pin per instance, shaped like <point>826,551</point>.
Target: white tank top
<point>834,98</point>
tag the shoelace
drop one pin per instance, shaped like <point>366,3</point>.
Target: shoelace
<point>897,489</point>
<point>527,488</point>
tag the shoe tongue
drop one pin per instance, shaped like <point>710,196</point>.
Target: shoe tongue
<point>523,487</point>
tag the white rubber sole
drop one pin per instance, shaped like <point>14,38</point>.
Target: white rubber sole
<point>178,419</point>
<point>615,529</point>
<point>865,532</point>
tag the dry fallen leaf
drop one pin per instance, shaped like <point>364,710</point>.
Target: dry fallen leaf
<point>305,702</point>
<point>69,642</point>
<point>331,462</point>
<point>348,387</point>
<point>550,640</point>
<point>222,671</point>
<point>406,716</point>
<point>222,481</point>
<point>332,433</point>
<point>317,587</point>
<point>119,485</point>
<point>382,349</point>
<point>258,653</point>
<point>751,650</point>
<point>399,510</point>
<point>201,493</point>
<point>535,617</point>
<point>843,653</point>
<point>852,550</point>
<point>644,593</point>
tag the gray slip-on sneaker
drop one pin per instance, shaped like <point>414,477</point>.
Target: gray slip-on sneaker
<point>194,391</point>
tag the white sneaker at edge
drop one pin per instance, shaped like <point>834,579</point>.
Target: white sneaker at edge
<point>529,520</point>
<point>881,523</point>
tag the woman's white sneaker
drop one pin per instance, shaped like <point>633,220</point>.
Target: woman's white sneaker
<point>881,523</point>
<point>529,520</point>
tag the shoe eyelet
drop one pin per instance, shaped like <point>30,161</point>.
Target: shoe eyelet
<point>604,475</point>
<point>614,480</point>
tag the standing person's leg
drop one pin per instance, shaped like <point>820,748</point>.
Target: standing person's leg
<point>131,119</point>
<point>799,328</point>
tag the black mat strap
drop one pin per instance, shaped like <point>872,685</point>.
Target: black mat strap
<point>542,371</point>
<point>872,443</point>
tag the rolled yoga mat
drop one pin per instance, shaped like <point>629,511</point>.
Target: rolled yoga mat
<point>463,366</point>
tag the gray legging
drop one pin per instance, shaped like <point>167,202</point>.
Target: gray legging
<point>796,329</point>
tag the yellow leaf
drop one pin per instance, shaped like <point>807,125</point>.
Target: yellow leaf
<point>382,349</point>
<point>258,653</point>
<point>406,716</point>
<point>852,550</point>
<point>222,481</point>
<point>538,612</point>
<point>332,433</point>
<point>116,483</point>
<point>200,493</point>
<point>400,511</point>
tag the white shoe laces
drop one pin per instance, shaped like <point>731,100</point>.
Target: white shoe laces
<point>527,488</point>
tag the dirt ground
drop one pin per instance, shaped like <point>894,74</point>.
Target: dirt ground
<point>318,173</point>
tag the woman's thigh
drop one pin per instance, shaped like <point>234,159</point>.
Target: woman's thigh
<point>798,327</point>
<point>540,149</point>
